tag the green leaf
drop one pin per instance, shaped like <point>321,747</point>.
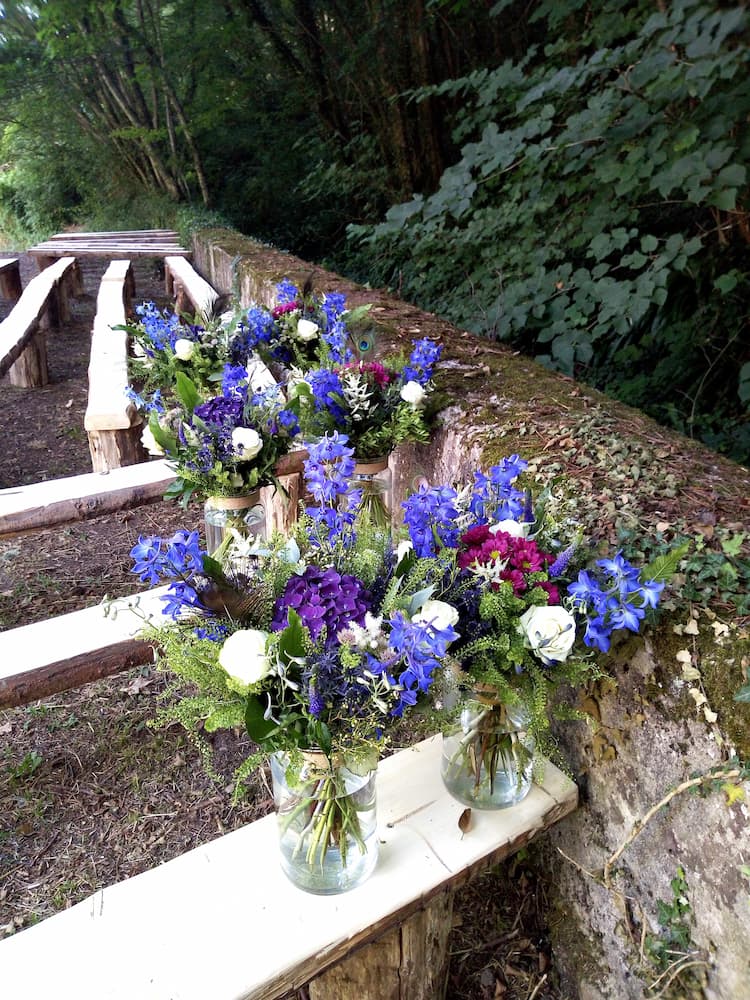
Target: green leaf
<point>664,567</point>
<point>187,392</point>
<point>162,437</point>
<point>292,639</point>
<point>725,199</point>
<point>726,283</point>
<point>732,546</point>
<point>258,727</point>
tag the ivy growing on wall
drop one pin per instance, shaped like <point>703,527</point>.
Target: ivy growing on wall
<point>598,214</point>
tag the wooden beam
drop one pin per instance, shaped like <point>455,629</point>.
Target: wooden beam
<point>69,650</point>
<point>77,498</point>
<point>273,938</point>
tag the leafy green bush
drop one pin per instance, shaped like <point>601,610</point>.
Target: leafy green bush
<point>597,215</point>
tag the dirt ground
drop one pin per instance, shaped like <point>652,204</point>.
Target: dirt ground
<point>89,793</point>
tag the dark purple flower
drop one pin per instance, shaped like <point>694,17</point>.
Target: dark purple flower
<point>323,598</point>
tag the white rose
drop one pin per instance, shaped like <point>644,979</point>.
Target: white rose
<point>183,349</point>
<point>439,614</point>
<point>403,549</point>
<point>246,443</point>
<point>550,632</point>
<point>150,443</point>
<point>307,330</point>
<point>244,656</point>
<point>413,393</point>
<point>516,528</point>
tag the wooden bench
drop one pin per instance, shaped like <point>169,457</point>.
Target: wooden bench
<point>10,279</point>
<point>222,921</point>
<point>69,650</point>
<point>76,498</point>
<point>112,420</point>
<point>43,303</point>
<point>130,243</point>
<point>191,292</point>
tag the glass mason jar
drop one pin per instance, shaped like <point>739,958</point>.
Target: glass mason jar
<point>232,519</point>
<point>326,818</point>
<point>488,753</point>
<point>375,480</point>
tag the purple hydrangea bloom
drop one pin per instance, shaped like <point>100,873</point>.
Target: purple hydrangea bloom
<point>323,598</point>
<point>221,411</point>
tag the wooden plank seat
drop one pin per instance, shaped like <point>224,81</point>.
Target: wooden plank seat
<point>76,498</point>
<point>63,652</point>
<point>42,304</point>
<point>130,243</point>
<point>38,506</point>
<point>112,420</point>
<point>191,292</point>
<point>222,922</point>
<point>10,279</point>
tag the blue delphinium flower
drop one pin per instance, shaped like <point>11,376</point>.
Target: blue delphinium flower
<point>327,392</point>
<point>162,329</point>
<point>256,328</point>
<point>177,559</point>
<point>613,598</point>
<point>420,646</point>
<point>494,497</point>
<point>286,292</point>
<point>233,379</point>
<point>424,356</point>
<point>431,513</point>
<point>329,466</point>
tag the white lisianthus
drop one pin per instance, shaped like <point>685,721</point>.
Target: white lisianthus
<point>150,443</point>
<point>246,443</point>
<point>439,614</point>
<point>403,549</point>
<point>550,632</point>
<point>183,349</point>
<point>413,393</point>
<point>519,529</point>
<point>307,330</point>
<point>244,656</point>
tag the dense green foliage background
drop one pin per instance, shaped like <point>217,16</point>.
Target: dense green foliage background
<point>569,177</point>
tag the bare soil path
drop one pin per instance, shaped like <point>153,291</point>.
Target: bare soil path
<point>89,793</point>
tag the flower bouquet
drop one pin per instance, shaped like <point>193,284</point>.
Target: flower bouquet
<point>317,657</point>
<point>376,405</point>
<point>224,448</point>
<point>303,329</point>
<point>527,625</point>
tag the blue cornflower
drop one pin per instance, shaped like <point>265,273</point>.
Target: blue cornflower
<point>422,360</point>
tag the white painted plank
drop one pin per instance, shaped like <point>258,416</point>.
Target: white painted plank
<point>56,501</point>
<point>30,647</point>
<point>223,922</point>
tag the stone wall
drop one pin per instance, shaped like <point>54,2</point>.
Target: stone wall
<point>617,471</point>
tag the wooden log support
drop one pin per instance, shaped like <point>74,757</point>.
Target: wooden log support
<point>271,937</point>
<point>192,294</point>
<point>112,421</point>
<point>10,279</point>
<point>43,303</point>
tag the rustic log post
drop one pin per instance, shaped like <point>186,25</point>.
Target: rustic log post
<point>409,962</point>
<point>113,448</point>
<point>10,282</point>
<point>29,370</point>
